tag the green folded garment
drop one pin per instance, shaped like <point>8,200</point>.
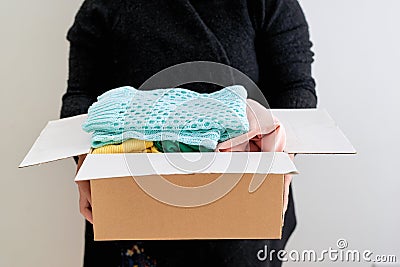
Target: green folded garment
<point>169,146</point>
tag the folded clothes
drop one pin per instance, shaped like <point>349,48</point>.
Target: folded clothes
<point>266,134</point>
<point>128,146</point>
<point>168,114</point>
<point>175,146</point>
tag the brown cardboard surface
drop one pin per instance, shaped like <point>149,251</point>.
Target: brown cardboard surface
<point>122,211</point>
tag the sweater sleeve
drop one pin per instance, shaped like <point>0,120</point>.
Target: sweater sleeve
<point>285,56</point>
<point>88,58</point>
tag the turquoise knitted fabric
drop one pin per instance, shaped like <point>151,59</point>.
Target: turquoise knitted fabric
<point>168,114</point>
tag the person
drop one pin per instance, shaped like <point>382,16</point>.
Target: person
<point>120,42</point>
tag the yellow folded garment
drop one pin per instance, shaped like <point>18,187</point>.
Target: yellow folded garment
<point>129,146</point>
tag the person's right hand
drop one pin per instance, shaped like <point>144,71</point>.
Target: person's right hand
<point>85,200</point>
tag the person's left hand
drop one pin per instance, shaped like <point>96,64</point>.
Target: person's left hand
<point>287,181</point>
<point>85,199</point>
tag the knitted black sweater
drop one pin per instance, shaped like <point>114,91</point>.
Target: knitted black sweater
<point>124,42</point>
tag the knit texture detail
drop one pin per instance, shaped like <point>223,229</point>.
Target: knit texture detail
<point>168,114</point>
<point>128,146</point>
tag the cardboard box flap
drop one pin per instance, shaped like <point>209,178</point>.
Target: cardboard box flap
<point>60,139</point>
<point>309,131</point>
<point>312,131</point>
<point>98,166</point>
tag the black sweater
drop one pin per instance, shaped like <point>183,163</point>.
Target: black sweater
<point>124,42</point>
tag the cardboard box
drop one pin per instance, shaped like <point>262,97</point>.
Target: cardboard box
<point>189,195</point>
<point>154,200</point>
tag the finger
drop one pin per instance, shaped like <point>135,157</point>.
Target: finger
<point>84,190</point>
<point>285,205</point>
<point>86,210</point>
<point>283,214</point>
<point>89,199</point>
<point>287,181</point>
<point>87,213</point>
<point>87,192</point>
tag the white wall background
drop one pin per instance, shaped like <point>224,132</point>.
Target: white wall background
<point>354,197</point>
<point>357,46</point>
